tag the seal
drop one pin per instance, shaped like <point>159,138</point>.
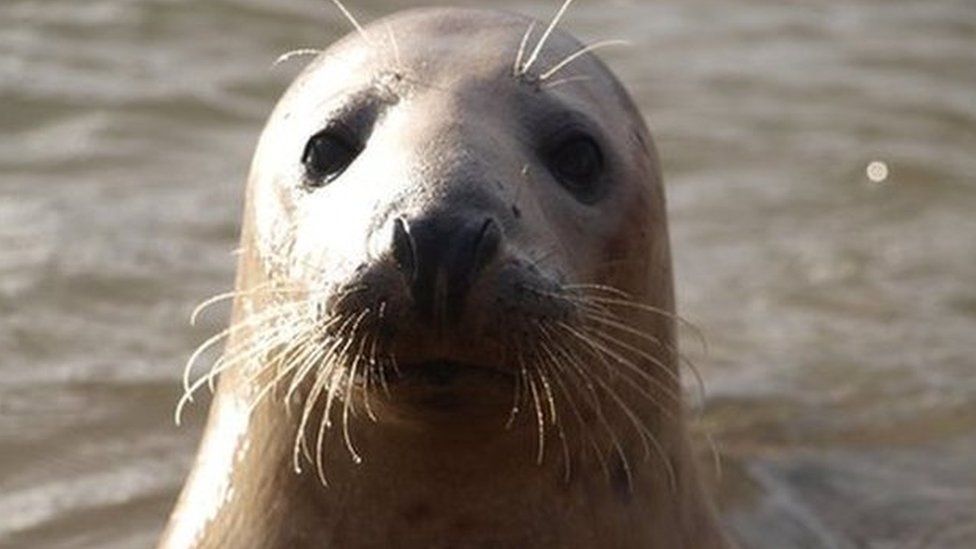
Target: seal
<point>453,319</point>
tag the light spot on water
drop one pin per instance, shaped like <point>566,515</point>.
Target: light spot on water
<point>877,171</point>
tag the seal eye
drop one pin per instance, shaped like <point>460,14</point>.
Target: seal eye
<point>327,154</point>
<point>578,163</point>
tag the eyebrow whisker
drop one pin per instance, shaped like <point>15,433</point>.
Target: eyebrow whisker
<point>396,47</point>
<point>567,80</point>
<point>545,36</point>
<point>348,15</point>
<point>516,69</point>
<point>288,56</point>
<point>577,54</point>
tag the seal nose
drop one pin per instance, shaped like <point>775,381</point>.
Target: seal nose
<point>441,257</point>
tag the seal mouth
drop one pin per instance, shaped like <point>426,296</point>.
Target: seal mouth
<point>439,389</point>
<point>444,373</point>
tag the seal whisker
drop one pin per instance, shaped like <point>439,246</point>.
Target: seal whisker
<point>349,377</point>
<point>188,387</point>
<point>219,366</point>
<point>586,378</point>
<point>395,364</point>
<point>593,310</point>
<point>545,37</point>
<point>347,410</point>
<point>601,287</point>
<point>326,371</point>
<point>300,445</point>
<point>213,340</point>
<point>245,352</point>
<point>540,419</point>
<point>223,296</point>
<point>516,400</point>
<point>289,329</point>
<point>596,311</point>
<point>360,356</point>
<point>603,315</point>
<point>609,339</point>
<point>322,377</point>
<point>552,366</point>
<point>342,374</point>
<point>288,56</point>
<point>577,54</point>
<point>547,392</point>
<point>558,371</point>
<point>307,355</point>
<point>348,15</point>
<point>569,358</point>
<point>338,355</point>
<point>650,309</point>
<point>601,352</point>
<point>516,68</point>
<point>293,338</point>
<point>699,380</point>
<point>335,374</point>
<point>282,371</point>
<point>347,339</point>
<point>260,289</point>
<point>335,380</point>
<point>544,367</point>
<point>368,360</point>
<point>567,80</point>
<point>249,348</point>
<point>537,258</point>
<point>328,346</point>
<point>304,364</point>
<point>647,437</point>
<point>583,379</point>
<point>376,355</point>
<point>394,45</point>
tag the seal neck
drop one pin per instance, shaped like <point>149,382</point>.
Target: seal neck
<point>418,487</point>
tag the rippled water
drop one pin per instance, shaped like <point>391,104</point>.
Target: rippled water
<point>841,313</point>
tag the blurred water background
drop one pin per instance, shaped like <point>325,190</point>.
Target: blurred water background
<point>840,311</point>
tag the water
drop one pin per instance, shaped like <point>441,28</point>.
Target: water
<point>841,313</point>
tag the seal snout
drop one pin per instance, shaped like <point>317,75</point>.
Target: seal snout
<point>441,257</point>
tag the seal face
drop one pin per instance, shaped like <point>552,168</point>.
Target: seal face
<point>454,250</point>
<point>432,188</point>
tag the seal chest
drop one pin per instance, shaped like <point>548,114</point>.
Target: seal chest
<point>453,316</point>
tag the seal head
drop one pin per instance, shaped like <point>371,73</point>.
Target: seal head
<point>452,194</point>
<point>454,271</point>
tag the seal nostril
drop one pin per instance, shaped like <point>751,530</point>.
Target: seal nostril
<point>404,250</point>
<point>487,243</point>
<point>441,257</point>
